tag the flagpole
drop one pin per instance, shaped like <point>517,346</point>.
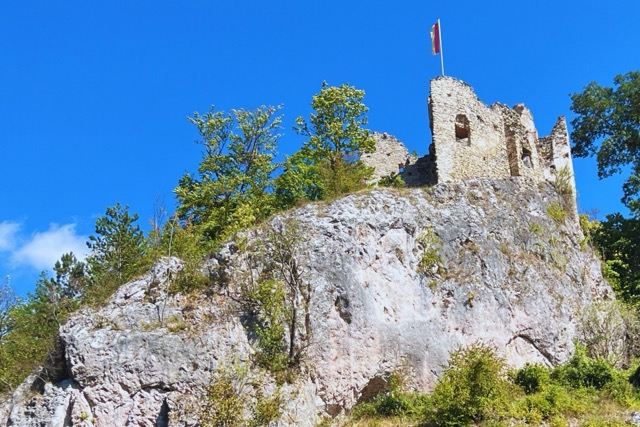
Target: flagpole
<point>441,50</point>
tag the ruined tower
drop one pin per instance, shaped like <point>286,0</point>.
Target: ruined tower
<point>473,140</point>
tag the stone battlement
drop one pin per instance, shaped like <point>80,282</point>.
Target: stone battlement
<point>473,140</point>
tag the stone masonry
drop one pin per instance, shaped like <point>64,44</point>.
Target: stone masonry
<point>473,140</point>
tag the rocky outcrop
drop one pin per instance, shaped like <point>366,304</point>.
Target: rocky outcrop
<point>499,271</point>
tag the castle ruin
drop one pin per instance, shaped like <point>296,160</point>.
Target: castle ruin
<point>473,140</point>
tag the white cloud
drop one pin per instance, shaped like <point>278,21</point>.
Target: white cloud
<point>43,249</point>
<point>8,235</point>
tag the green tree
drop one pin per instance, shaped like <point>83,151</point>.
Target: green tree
<point>71,275</point>
<point>32,334</point>
<point>234,186</point>
<point>118,251</point>
<point>607,125</point>
<point>329,162</point>
<point>618,241</point>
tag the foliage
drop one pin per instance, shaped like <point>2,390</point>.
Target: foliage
<point>473,387</point>
<point>589,228</point>
<point>32,334</point>
<point>285,243</point>
<point>550,402</point>
<point>557,212</point>
<point>532,377</point>
<point>583,371</point>
<point>280,298</point>
<point>268,301</point>
<point>562,184</point>
<point>618,241</point>
<point>224,402</point>
<point>328,163</point>
<point>393,402</point>
<point>431,244</point>
<point>118,252</point>
<point>71,276</point>
<point>233,189</point>
<point>607,125</point>
<point>227,401</point>
<point>393,180</point>
<point>267,410</point>
<point>609,330</point>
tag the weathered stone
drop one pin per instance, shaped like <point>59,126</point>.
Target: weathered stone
<point>389,156</point>
<point>396,280</point>
<point>500,280</point>
<point>473,140</point>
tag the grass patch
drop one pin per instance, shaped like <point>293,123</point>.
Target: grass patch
<point>557,212</point>
<point>430,261</point>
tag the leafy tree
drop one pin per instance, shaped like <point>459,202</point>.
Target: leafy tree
<point>118,252</point>
<point>607,125</point>
<point>32,335</point>
<point>234,187</point>
<point>618,240</point>
<point>329,162</point>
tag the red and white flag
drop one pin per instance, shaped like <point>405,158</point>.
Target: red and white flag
<point>435,38</point>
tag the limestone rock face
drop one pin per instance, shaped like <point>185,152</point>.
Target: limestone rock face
<point>499,271</point>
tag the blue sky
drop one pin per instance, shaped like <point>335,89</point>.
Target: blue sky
<point>94,95</point>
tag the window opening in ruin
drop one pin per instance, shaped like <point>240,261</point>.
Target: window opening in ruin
<point>526,158</point>
<point>463,131</point>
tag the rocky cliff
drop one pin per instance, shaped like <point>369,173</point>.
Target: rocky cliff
<point>395,280</point>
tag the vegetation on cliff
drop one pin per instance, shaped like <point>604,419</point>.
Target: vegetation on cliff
<point>238,185</point>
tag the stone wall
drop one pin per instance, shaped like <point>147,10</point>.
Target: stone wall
<point>468,136</point>
<point>473,140</point>
<point>390,156</point>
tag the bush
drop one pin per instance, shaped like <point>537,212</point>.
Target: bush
<point>224,403</point>
<point>552,401</point>
<point>583,371</point>
<point>431,243</point>
<point>393,402</point>
<point>267,301</point>
<point>557,212</point>
<point>267,410</point>
<point>532,377</point>
<point>472,388</point>
<point>393,180</point>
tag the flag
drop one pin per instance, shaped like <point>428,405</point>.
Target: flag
<point>435,38</point>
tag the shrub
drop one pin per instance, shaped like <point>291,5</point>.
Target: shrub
<point>393,402</point>
<point>532,377</point>
<point>472,388</point>
<point>610,330</point>
<point>393,180</point>
<point>557,212</point>
<point>267,299</point>
<point>267,410</point>
<point>583,371</point>
<point>223,403</point>
<point>552,401</point>
<point>431,256</point>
